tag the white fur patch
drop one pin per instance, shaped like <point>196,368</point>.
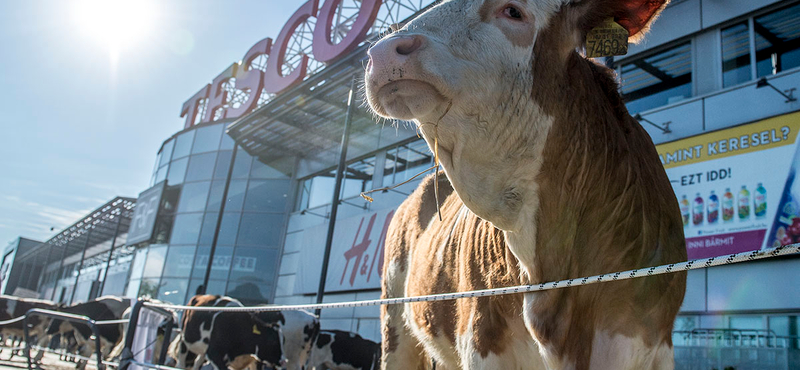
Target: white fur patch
<point>618,352</point>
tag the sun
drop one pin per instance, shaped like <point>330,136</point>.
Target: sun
<point>116,24</point>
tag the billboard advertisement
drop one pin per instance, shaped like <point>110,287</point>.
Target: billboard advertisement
<point>730,184</point>
<point>356,260</point>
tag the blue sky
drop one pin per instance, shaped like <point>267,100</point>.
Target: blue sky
<point>77,131</point>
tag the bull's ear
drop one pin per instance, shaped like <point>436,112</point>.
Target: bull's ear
<point>635,16</point>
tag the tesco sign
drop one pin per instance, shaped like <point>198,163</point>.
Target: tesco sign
<point>272,80</point>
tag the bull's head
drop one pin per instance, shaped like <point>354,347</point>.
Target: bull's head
<point>489,78</point>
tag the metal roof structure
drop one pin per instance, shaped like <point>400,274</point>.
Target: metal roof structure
<point>93,232</point>
<point>308,119</point>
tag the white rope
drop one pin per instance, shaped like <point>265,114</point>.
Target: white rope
<point>16,319</point>
<point>154,366</point>
<point>615,276</point>
<point>111,322</point>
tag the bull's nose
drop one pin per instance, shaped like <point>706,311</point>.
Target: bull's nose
<point>394,50</point>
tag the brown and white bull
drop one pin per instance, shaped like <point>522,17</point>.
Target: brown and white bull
<point>536,140</point>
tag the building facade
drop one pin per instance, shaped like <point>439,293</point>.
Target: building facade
<point>247,186</point>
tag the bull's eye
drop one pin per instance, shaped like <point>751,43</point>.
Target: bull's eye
<point>512,12</point>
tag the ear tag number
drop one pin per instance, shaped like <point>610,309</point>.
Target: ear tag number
<point>255,330</point>
<point>607,39</point>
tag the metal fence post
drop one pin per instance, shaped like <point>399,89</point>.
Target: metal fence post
<point>97,349</point>
<point>127,353</point>
<point>26,334</point>
<point>166,341</point>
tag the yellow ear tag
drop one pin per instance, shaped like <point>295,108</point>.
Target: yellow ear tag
<point>255,330</point>
<point>607,39</point>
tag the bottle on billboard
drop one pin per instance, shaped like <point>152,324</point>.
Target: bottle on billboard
<point>697,210</point>
<point>760,201</point>
<point>685,210</point>
<point>713,208</point>
<point>727,205</point>
<point>744,203</point>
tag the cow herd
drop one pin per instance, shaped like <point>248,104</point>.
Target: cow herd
<point>220,340</point>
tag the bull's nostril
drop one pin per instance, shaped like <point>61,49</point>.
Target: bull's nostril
<point>407,46</point>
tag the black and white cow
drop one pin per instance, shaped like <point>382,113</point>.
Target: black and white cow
<point>13,307</point>
<point>189,348</point>
<point>343,350</point>
<point>298,328</point>
<point>101,309</point>
<point>238,338</point>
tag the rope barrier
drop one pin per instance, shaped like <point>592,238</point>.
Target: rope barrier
<point>111,322</point>
<point>16,319</point>
<point>154,366</point>
<point>614,276</point>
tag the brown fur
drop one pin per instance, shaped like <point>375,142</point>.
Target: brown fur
<point>603,204</point>
<point>474,257</point>
<point>606,205</point>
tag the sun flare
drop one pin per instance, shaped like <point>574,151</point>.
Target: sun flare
<point>117,24</point>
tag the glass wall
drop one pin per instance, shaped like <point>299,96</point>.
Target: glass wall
<point>195,165</point>
<point>399,163</point>
<point>656,80</point>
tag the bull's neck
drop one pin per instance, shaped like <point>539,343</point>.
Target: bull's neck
<point>492,160</point>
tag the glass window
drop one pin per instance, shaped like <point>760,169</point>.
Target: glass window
<point>735,55</point>
<point>746,322</point>
<point>236,191</point>
<point>186,228</point>
<point>139,259</point>
<point>207,139</point>
<point>166,153</point>
<point>179,261</point>
<point>115,281</point>
<point>220,266</point>
<point>357,177</point>
<point>241,166</point>
<point>260,229</point>
<point>228,228</point>
<point>215,195</point>
<point>209,225</point>
<point>163,228</point>
<point>658,80</point>
<point>777,35</point>
<point>316,191</point>
<point>223,163</point>
<point>194,196</point>
<point>177,171</point>
<point>132,291</point>
<point>256,265</point>
<point>227,142</point>
<point>148,288</point>
<point>183,145</point>
<point>405,161</point>
<point>267,195</point>
<point>161,175</point>
<point>214,287</point>
<point>173,290</point>
<point>155,261</point>
<point>787,328</point>
<point>260,170</point>
<point>201,167</point>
